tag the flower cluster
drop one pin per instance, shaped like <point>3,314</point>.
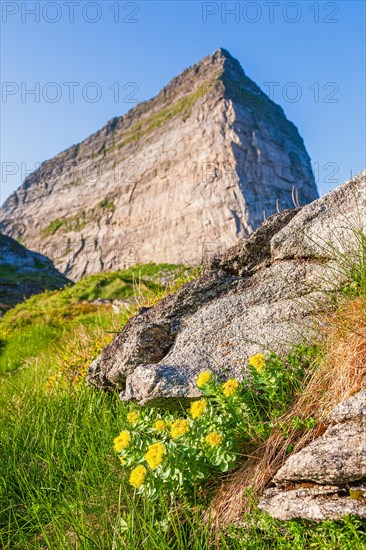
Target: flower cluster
<point>164,450</point>
<point>197,408</point>
<point>160,425</point>
<point>257,361</point>
<point>213,439</point>
<point>204,378</point>
<point>137,476</point>
<point>122,441</point>
<point>154,455</point>
<point>179,427</point>
<point>230,387</point>
<point>132,417</point>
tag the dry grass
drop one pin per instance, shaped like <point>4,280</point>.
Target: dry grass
<point>338,374</point>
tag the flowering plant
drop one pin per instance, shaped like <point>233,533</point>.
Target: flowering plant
<point>166,451</point>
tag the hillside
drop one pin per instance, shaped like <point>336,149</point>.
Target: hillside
<point>176,179</point>
<point>24,273</point>
<point>45,322</point>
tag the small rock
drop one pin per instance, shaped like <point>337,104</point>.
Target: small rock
<point>336,458</point>
<point>334,464</point>
<point>350,409</point>
<point>316,503</point>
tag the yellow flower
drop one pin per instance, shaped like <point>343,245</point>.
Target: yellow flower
<point>159,425</point>
<point>257,361</point>
<point>122,441</point>
<point>132,417</point>
<point>204,378</point>
<point>179,427</point>
<point>230,387</point>
<point>137,476</point>
<point>154,455</point>
<point>197,408</point>
<point>213,439</point>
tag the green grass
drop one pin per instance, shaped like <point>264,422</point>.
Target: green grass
<point>12,275</point>
<point>62,486</point>
<point>16,282</point>
<point>78,221</point>
<point>59,476</point>
<point>43,320</point>
<point>53,226</point>
<point>73,223</point>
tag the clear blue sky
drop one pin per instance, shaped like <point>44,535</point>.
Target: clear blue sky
<point>319,46</point>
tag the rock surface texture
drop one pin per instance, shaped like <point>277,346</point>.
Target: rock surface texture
<point>177,177</point>
<point>23,273</point>
<point>258,296</point>
<point>326,479</point>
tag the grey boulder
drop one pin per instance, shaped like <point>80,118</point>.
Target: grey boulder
<point>260,296</point>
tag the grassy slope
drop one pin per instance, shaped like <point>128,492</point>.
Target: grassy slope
<point>61,484</point>
<point>45,319</point>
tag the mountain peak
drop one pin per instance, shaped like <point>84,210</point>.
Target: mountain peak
<point>196,167</point>
<point>221,58</point>
<point>222,52</point>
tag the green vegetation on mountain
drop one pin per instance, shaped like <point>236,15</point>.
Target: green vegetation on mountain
<point>47,320</point>
<point>182,108</point>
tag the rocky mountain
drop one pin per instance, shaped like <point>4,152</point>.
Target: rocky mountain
<point>24,273</point>
<point>177,178</point>
<point>259,296</point>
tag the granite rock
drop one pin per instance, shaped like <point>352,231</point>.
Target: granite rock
<point>327,478</point>
<point>259,296</point>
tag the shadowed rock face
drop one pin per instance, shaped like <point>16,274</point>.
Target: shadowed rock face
<point>332,468</point>
<point>259,296</point>
<point>176,178</point>
<point>24,273</point>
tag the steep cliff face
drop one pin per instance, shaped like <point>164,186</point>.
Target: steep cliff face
<point>24,273</point>
<point>177,178</point>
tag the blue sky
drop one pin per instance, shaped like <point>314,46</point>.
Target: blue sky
<point>116,52</point>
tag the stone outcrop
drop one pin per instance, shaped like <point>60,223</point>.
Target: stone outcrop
<point>315,503</point>
<point>258,296</point>
<point>180,176</point>
<point>24,273</point>
<point>326,479</point>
